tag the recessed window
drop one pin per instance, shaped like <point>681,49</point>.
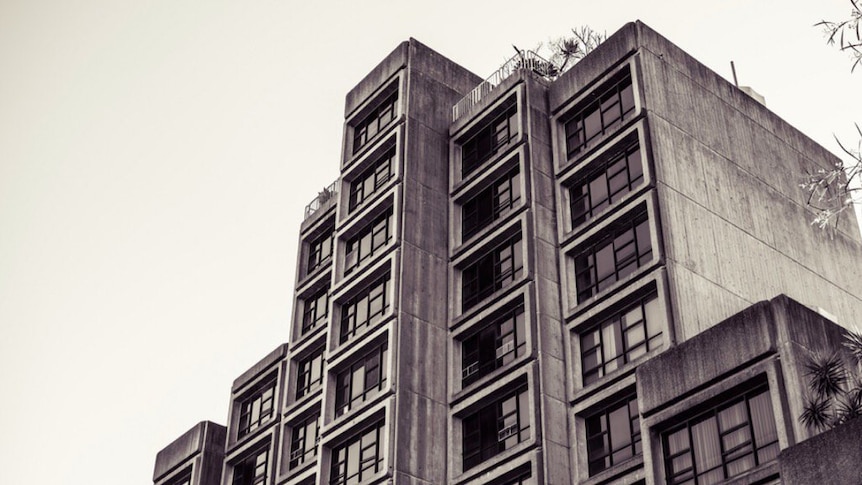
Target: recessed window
<point>491,203</point>
<point>369,242</point>
<point>624,247</point>
<point>493,133</point>
<point>365,308</point>
<point>612,178</point>
<point>370,181</point>
<point>523,478</point>
<point>303,441</point>
<point>494,346</point>
<point>314,310</point>
<point>375,120</point>
<point>251,470</point>
<point>719,443</point>
<point>361,380</point>
<point>309,375</point>
<point>320,250</point>
<point>496,428</point>
<point>604,110</point>
<point>621,338</point>
<point>359,458</point>
<point>493,271</point>
<point>613,434</point>
<point>256,409</point>
<point>184,479</point>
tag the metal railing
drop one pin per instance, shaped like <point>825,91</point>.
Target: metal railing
<point>526,60</point>
<point>322,197</point>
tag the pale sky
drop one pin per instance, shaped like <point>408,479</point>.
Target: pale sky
<point>156,156</point>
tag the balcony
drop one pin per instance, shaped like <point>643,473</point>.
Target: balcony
<point>526,60</point>
<point>328,193</point>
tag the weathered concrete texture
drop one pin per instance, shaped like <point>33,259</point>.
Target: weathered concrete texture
<point>420,435</point>
<point>375,79</point>
<point>261,366</point>
<point>206,441</point>
<point>830,458</point>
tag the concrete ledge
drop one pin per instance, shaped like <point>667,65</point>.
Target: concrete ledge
<point>832,457</point>
<point>204,437</point>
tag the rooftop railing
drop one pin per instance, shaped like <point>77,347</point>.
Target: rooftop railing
<point>322,197</point>
<point>525,60</point>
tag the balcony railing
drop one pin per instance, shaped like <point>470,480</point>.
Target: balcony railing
<point>322,197</point>
<point>528,60</point>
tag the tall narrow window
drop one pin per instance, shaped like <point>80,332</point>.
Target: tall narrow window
<point>491,203</point>
<point>372,179</point>
<point>621,338</point>
<point>376,120</point>
<point>494,133</point>
<point>360,380</point>
<point>251,470</point>
<point>494,346</point>
<point>623,248</point>
<point>309,375</point>
<point>359,458</point>
<point>303,441</point>
<point>369,242</point>
<point>727,440</point>
<point>314,310</point>
<point>613,434</point>
<point>496,427</point>
<point>607,183</point>
<point>607,107</point>
<point>319,250</point>
<point>365,308</point>
<point>493,271</point>
<point>256,409</point>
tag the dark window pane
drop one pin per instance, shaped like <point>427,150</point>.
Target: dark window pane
<point>606,181</point>
<point>497,131</point>
<point>365,308</point>
<point>608,106</point>
<point>495,428</point>
<point>375,121</point>
<point>493,346</point>
<point>493,271</point>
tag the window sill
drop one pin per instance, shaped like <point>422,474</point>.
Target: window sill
<point>612,474</point>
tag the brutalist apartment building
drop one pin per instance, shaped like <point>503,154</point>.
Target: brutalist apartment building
<point>608,276</point>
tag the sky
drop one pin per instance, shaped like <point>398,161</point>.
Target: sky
<point>156,157</point>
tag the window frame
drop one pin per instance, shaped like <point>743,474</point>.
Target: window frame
<point>378,355</point>
<point>603,412</point>
<point>473,455</point>
<point>594,102</point>
<point>711,410</point>
<point>495,325</point>
<point>311,314</point>
<point>474,287</point>
<point>378,287</point>
<point>507,184</point>
<point>299,441</point>
<point>387,159</point>
<point>488,129</point>
<point>382,224</point>
<point>378,427</point>
<point>254,402</point>
<point>316,258</point>
<point>303,388</point>
<point>385,106</point>
<point>251,462</point>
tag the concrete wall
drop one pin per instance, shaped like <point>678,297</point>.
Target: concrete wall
<point>736,229</point>
<point>201,447</point>
<point>833,457</point>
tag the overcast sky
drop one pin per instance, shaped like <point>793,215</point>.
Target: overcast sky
<point>156,156</point>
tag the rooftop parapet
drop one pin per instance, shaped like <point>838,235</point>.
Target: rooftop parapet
<point>328,193</point>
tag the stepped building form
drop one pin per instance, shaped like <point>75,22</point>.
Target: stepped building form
<point>606,276</point>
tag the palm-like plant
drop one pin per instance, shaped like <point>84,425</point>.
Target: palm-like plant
<point>835,391</point>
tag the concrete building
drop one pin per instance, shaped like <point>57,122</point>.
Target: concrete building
<point>540,279</point>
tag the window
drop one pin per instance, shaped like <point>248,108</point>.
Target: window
<point>251,470</point>
<point>494,346</point>
<point>492,271</point>
<point>184,479</point>
<point>320,251</point>
<point>621,338</point>
<point>376,120</point>
<point>731,438</point>
<point>500,128</point>
<point>256,409</point>
<point>360,380</point>
<point>360,458</point>
<point>369,242</point>
<point>521,479</point>
<point>606,109</point>
<point>625,247</point>
<point>371,180</point>
<point>495,428</point>
<point>365,308</point>
<point>303,441</point>
<point>491,203</point>
<point>314,311</point>
<point>310,373</point>
<point>613,434</point>
<point>613,178</point>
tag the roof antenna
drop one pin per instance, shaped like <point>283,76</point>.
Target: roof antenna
<point>733,68</point>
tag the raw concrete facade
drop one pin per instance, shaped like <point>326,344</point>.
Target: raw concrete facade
<point>540,279</point>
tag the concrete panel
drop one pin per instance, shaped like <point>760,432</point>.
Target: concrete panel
<point>543,191</point>
<point>426,157</point>
<point>423,285</point>
<point>205,437</point>
<point>430,101</point>
<point>421,448</point>
<point>556,462</point>
<point>546,224</point>
<point>425,208</point>
<point>553,378</point>
<point>260,367</point>
<point>421,358</point>
<point>441,68</point>
<point>688,237</point>
<point>832,457</point>
<point>375,79</point>
<point>551,340</point>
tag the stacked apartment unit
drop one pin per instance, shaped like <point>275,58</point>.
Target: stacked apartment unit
<point>540,279</point>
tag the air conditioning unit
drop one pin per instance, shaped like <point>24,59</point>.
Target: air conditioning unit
<point>505,348</point>
<point>296,454</point>
<point>507,432</point>
<point>470,370</point>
